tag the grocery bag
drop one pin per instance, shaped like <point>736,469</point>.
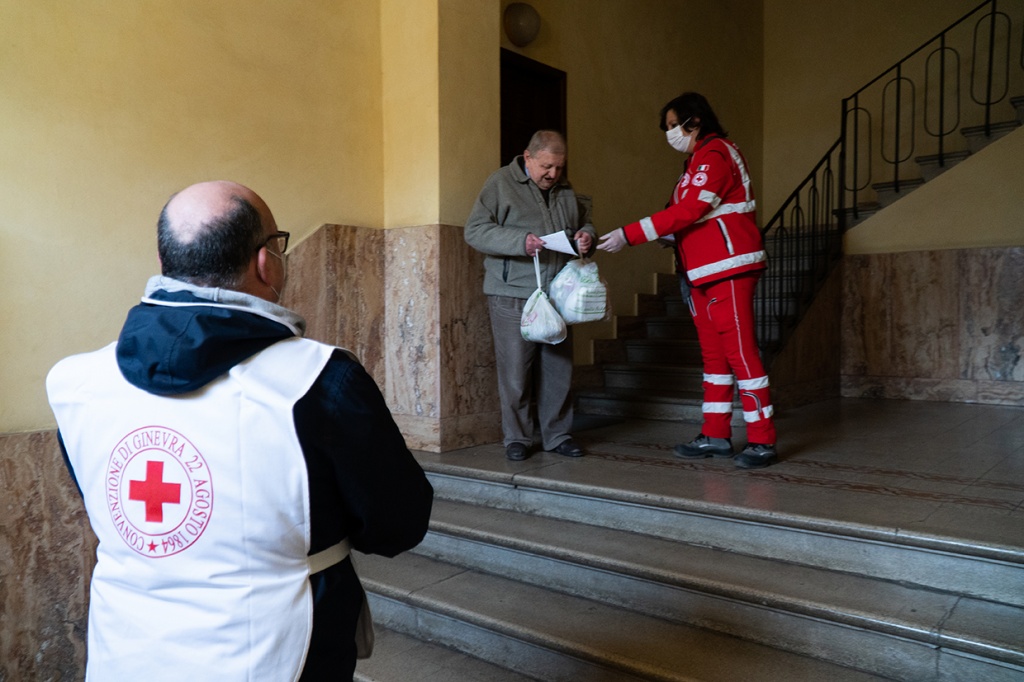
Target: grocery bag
<point>578,292</point>
<point>541,323</point>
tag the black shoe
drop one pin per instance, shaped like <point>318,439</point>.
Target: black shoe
<point>704,446</point>
<point>568,448</point>
<point>516,452</point>
<point>756,456</point>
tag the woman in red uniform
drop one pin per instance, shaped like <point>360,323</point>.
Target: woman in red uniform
<point>720,258</point>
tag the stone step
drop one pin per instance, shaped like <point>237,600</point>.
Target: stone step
<point>1018,106</point>
<point>888,193</point>
<point>399,658</point>
<point>663,351</point>
<point>677,327</point>
<point>862,213</point>
<point>931,167</point>
<point>981,571</point>
<point>978,140</point>
<point>652,377</point>
<point>550,635</point>
<point>877,626</point>
<point>681,406</point>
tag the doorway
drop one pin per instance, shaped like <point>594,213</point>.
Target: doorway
<point>532,98</point>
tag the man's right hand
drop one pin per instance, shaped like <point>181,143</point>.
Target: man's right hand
<point>534,245</point>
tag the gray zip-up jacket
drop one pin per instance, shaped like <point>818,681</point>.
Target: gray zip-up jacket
<point>510,207</point>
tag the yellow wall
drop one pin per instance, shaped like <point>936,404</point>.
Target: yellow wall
<point>624,61</point>
<point>815,54</point>
<point>107,108</point>
<point>409,40</point>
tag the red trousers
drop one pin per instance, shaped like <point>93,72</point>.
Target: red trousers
<point>723,313</point>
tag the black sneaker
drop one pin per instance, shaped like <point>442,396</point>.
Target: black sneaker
<point>516,452</point>
<point>756,456</point>
<point>704,446</point>
<point>568,448</point>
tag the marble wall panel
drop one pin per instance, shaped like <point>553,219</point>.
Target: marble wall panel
<point>336,281</point>
<point>952,328</point>
<point>440,355</point>
<point>409,303</point>
<point>412,321</point>
<point>47,552</point>
<point>992,304</point>
<point>925,315</point>
<point>866,323</point>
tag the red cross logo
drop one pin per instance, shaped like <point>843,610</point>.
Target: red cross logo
<point>154,492</point>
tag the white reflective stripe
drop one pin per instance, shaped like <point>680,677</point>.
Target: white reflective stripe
<point>716,408</point>
<point>725,209</point>
<point>758,415</point>
<point>737,159</point>
<point>725,264</point>
<point>324,559</point>
<point>718,379</point>
<point>709,198</point>
<point>757,382</point>
<point>728,239</point>
<point>647,225</point>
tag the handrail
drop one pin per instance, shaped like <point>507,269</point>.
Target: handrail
<point>885,125</point>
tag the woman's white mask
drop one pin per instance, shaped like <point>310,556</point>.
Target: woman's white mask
<point>679,139</point>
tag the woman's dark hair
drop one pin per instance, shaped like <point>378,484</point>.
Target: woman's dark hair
<point>220,251</point>
<point>692,105</point>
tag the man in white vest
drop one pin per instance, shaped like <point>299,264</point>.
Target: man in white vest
<point>228,465</point>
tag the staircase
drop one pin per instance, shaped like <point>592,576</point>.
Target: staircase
<point>557,570</point>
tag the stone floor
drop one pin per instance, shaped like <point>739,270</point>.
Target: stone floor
<point>941,472</point>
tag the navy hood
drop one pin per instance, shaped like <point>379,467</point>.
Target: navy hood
<point>176,342</point>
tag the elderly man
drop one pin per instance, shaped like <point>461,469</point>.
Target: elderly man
<point>227,466</point>
<point>519,204</point>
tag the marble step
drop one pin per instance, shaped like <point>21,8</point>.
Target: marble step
<point>873,625</point>
<point>663,351</point>
<point>550,635</point>
<point>978,140</point>
<point>650,377</point>
<point>980,571</point>
<point>399,658</point>
<point>888,193</point>
<point>931,168</point>
<point>676,406</point>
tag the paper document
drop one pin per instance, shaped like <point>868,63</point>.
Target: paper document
<point>558,242</point>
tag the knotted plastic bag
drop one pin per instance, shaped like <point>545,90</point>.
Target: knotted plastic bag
<point>578,292</point>
<point>540,322</point>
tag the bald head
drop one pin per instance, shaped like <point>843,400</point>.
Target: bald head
<point>547,141</point>
<point>209,233</point>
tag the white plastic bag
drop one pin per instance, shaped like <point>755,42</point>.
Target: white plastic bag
<point>578,292</point>
<point>540,322</point>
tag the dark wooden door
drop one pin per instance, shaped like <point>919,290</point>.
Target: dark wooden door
<point>532,98</point>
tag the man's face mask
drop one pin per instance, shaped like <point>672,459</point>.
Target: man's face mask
<point>679,139</point>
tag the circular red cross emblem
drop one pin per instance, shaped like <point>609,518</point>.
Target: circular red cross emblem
<point>159,491</point>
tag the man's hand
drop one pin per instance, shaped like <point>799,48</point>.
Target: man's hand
<point>534,245</point>
<point>613,241</point>
<point>583,242</point>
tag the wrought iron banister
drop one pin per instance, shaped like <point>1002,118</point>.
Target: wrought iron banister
<point>902,119</point>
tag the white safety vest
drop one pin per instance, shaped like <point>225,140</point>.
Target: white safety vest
<point>201,506</point>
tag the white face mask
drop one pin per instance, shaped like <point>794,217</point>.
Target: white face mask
<point>678,138</point>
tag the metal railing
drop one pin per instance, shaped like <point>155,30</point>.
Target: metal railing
<point>896,131</point>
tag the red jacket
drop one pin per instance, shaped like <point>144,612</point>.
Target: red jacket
<point>712,216</point>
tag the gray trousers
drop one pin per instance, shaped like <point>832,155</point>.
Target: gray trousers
<point>530,371</point>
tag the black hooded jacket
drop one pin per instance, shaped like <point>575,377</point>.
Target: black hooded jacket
<point>364,484</point>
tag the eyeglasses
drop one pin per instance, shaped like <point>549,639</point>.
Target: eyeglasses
<point>282,241</point>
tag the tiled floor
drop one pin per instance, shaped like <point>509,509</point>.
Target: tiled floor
<point>939,472</point>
